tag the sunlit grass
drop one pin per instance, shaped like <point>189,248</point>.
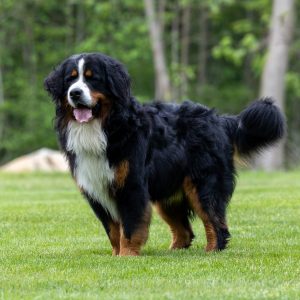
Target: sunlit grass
<point>52,246</point>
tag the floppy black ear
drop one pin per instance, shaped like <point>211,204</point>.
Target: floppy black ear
<point>54,83</point>
<point>118,81</point>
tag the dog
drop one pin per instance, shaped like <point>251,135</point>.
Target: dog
<point>124,155</point>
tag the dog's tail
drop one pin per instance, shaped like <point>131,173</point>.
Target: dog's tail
<point>259,125</point>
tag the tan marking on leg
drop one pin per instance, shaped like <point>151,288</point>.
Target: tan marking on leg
<point>211,237</point>
<point>114,237</point>
<point>132,246</point>
<point>181,237</point>
<point>121,174</point>
<point>192,195</point>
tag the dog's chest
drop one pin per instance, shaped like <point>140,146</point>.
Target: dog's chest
<point>92,171</point>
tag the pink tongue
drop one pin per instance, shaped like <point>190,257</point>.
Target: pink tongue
<point>82,114</point>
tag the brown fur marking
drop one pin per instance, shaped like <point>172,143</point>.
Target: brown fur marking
<point>74,73</point>
<point>114,237</point>
<point>121,174</point>
<point>192,195</point>
<point>181,236</point>
<point>68,116</point>
<point>88,73</point>
<point>132,246</point>
<point>105,104</point>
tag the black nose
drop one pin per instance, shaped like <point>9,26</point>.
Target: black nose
<point>75,94</point>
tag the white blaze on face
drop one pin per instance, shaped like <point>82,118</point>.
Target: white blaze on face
<point>80,84</point>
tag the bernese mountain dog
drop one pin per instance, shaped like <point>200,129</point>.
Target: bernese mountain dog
<point>125,156</point>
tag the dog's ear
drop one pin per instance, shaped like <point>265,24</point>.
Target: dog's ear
<point>118,81</point>
<point>54,83</point>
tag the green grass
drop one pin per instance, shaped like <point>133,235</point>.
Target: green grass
<point>52,246</point>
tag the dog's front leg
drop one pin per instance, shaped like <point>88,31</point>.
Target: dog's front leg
<point>135,221</point>
<point>111,227</point>
<point>134,236</point>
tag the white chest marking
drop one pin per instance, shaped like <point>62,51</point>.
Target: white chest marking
<point>92,171</point>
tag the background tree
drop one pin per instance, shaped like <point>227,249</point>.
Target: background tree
<point>202,43</point>
<point>1,102</point>
<point>273,77</point>
<point>162,87</point>
<point>185,48</point>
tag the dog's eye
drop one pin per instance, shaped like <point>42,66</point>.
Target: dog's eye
<point>88,74</point>
<point>74,73</point>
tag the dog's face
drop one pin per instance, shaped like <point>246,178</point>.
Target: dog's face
<point>88,85</point>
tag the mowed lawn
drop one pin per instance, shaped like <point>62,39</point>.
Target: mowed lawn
<point>52,246</point>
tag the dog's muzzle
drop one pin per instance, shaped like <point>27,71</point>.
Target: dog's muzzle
<point>76,96</point>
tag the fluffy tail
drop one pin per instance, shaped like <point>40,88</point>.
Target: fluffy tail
<point>259,125</point>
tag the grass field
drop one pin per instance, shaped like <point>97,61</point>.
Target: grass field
<point>52,246</point>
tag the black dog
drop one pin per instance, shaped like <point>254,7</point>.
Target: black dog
<point>123,154</point>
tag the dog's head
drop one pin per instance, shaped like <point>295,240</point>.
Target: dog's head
<point>88,85</point>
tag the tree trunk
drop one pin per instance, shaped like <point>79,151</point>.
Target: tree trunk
<point>1,87</point>
<point>69,15</point>
<point>80,22</point>
<point>1,103</point>
<point>162,88</point>
<point>2,42</point>
<point>185,46</point>
<point>272,82</point>
<point>175,48</point>
<point>202,45</point>
<point>29,53</point>
<point>160,15</point>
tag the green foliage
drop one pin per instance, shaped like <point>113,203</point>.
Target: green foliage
<point>52,246</point>
<point>36,35</point>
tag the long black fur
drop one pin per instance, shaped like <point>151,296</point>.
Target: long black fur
<point>166,143</point>
<point>260,125</point>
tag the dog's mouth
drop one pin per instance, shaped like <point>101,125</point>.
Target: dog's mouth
<point>85,114</point>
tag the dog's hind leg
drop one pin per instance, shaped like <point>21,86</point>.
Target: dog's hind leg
<point>176,216</point>
<point>212,213</point>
